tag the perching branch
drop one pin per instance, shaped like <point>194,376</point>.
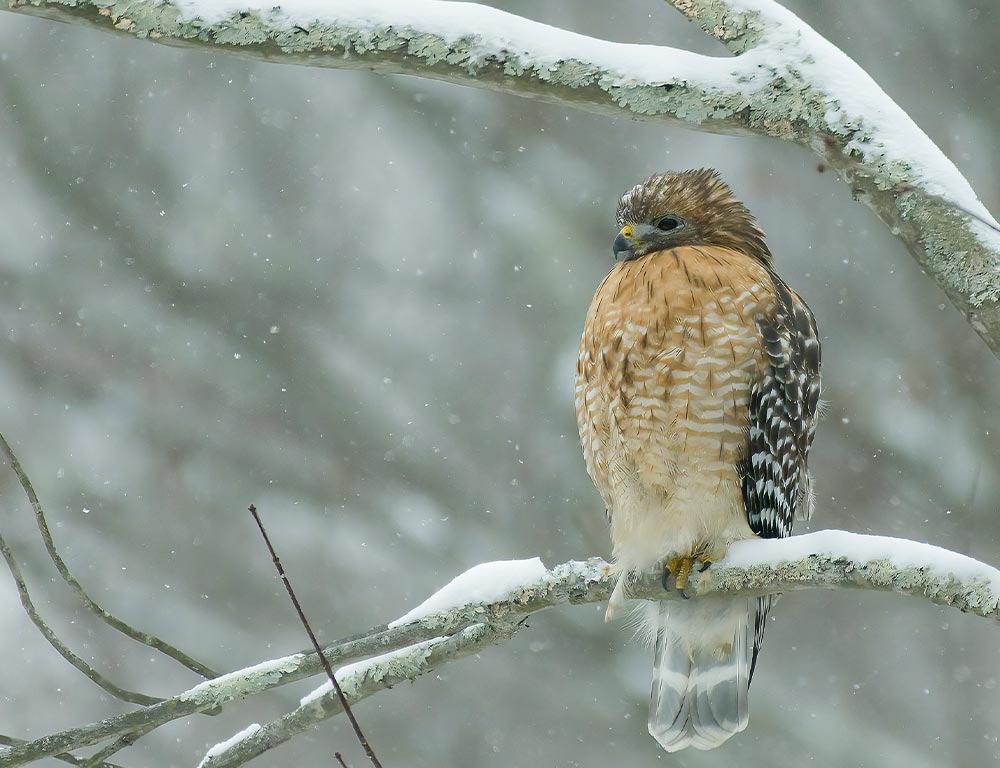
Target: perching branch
<point>785,81</point>
<point>448,626</point>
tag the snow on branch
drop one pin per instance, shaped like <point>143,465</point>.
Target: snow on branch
<point>786,81</point>
<point>490,602</point>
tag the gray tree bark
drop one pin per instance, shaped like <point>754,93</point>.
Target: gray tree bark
<point>403,651</point>
<point>785,81</point>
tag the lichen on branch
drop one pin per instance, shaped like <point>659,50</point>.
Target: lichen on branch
<point>786,82</point>
<point>457,626</point>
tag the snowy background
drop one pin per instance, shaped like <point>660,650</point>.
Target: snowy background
<point>355,301</point>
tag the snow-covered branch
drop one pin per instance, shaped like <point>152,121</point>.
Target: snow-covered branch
<point>786,81</point>
<point>490,602</point>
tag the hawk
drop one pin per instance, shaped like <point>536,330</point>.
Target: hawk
<point>697,388</point>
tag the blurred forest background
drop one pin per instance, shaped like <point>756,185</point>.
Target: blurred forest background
<point>356,301</point>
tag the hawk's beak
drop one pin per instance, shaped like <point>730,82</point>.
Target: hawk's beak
<point>623,243</point>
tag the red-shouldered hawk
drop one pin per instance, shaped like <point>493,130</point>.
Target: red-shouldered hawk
<point>696,396</point>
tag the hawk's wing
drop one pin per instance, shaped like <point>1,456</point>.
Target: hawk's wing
<point>783,409</point>
<point>784,402</point>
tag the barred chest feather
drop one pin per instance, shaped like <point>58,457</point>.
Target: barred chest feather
<point>669,354</point>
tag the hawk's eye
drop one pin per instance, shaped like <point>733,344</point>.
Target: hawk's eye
<point>668,223</point>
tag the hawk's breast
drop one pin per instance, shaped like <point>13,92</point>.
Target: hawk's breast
<point>669,352</point>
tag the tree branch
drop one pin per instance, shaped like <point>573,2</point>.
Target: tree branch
<point>459,620</point>
<point>66,758</point>
<point>236,685</point>
<point>358,684</point>
<point>787,82</point>
<point>74,584</point>
<point>28,604</point>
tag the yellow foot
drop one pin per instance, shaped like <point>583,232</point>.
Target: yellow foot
<point>678,570</point>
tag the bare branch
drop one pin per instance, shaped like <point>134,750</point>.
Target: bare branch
<point>762,572</point>
<point>53,640</point>
<point>97,760</point>
<point>436,633</point>
<point>64,757</point>
<point>390,670</point>
<point>108,618</point>
<point>788,82</point>
<point>213,694</point>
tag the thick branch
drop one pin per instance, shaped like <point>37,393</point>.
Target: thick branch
<point>214,693</point>
<point>66,758</point>
<point>788,83</point>
<point>370,678</point>
<point>447,622</point>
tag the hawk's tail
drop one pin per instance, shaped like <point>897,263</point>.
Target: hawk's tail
<point>701,671</point>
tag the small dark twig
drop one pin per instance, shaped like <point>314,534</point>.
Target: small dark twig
<point>312,637</point>
<point>340,759</point>
<point>43,528</point>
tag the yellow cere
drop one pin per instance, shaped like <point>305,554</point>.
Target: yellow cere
<point>626,231</point>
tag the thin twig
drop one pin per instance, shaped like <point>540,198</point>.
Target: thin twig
<point>64,757</point>
<point>127,740</point>
<point>312,637</point>
<point>340,759</point>
<point>142,637</point>
<point>29,608</point>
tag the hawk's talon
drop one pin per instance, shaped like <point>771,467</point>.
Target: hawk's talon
<point>682,572</point>
<point>677,571</point>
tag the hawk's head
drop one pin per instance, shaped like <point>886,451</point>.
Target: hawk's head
<point>685,208</point>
